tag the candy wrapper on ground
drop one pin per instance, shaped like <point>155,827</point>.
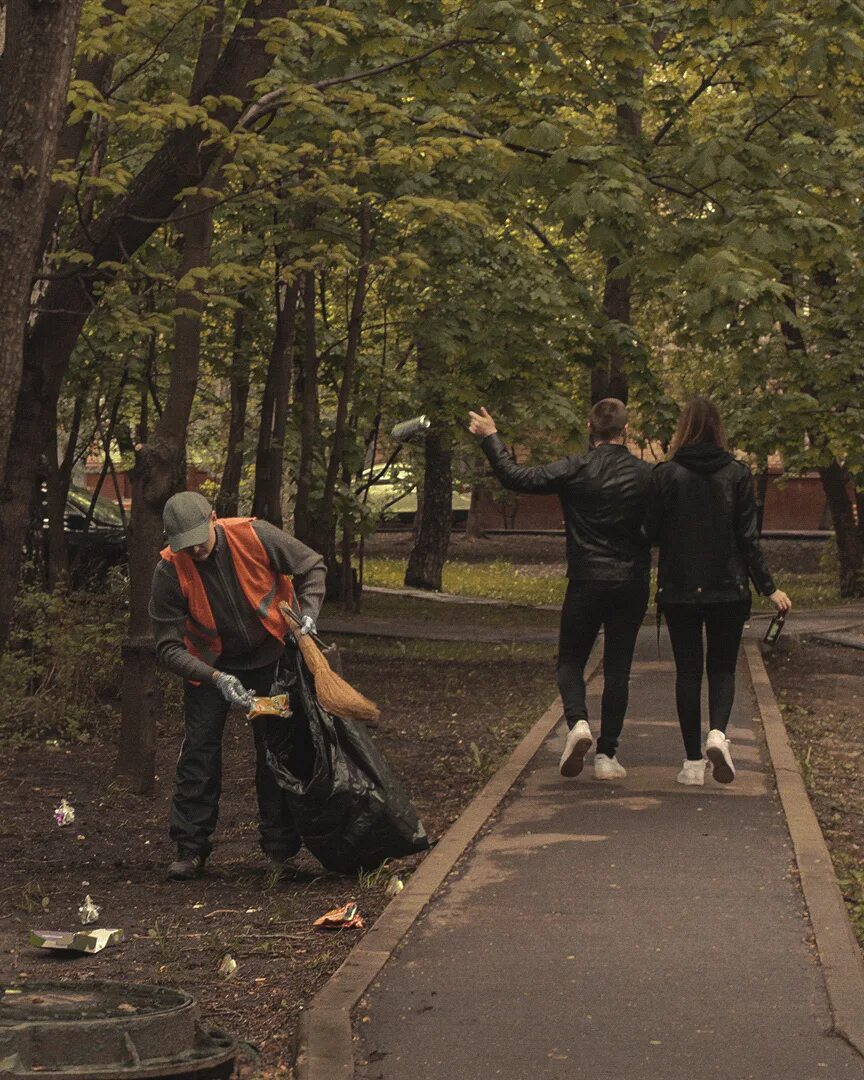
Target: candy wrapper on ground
<point>84,941</point>
<point>342,918</point>
<point>270,706</point>
<point>228,966</point>
<point>88,911</point>
<point>64,814</point>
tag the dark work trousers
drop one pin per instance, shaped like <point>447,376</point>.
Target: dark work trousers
<point>619,608</point>
<point>199,772</point>
<point>724,624</point>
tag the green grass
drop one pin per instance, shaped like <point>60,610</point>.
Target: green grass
<point>502,580</point>
<point>497,580</point>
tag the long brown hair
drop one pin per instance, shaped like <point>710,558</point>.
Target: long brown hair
<point>699,424</point>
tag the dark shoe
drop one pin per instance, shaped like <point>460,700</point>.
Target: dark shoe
<point>186,867</point>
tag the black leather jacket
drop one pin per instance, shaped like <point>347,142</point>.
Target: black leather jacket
<point>603,495</point>
<point>702,513</point>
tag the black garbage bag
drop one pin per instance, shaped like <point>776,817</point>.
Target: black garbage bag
<point>349,808</point>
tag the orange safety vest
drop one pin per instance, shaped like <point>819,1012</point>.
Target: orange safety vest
<point>261,586</point>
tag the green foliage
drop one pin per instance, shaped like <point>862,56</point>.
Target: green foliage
<point>60,676</point>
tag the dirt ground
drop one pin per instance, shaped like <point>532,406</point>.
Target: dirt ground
<point>821,692</point>
<point>449,714</point>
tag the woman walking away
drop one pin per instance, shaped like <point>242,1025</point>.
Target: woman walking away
<point>702,513</point>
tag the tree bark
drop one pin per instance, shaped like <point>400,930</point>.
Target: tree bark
<point>850,541</point>
<point>610,379</point>
<point>116,234</point>
<point>308,424</point>
<point>228,499</point>
<point>434,511</point>
<point>326,524</point>
<point>58,479</point>
<point>159,471</point>
<point>34,77</point>
<point>473,529</point>
<point>276,400</point>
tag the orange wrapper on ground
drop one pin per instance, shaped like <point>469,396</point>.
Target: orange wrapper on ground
<point>341,918</point>
<point>270,706</point>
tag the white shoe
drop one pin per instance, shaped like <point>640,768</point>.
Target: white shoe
<point>692,772</point>
<point>717,751</point>
<point>576,746</point>
<point>608,768</point>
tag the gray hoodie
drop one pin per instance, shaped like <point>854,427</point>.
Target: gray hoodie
<point>245,642</point>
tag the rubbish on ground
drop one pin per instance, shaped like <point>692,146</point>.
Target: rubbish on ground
<point>84,941</point>
<point>88,911</point>
<point>394,886</point>
<point>333,693</point>
<point>127,1008</point>
<point>64,814</point>
<point>270,706</point>
<point>342,918</point>
<point>228,966</point>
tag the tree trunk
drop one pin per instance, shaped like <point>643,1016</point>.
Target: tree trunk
<point>473,528</point>
<point>113,237</point>
<point>325,524</point>
<point>307,395</point>
<point>850,542</point>
<point>434,510</point>
<point>610,379</point>
<point>160,471</point>
<point>761,495</point>
<point>58,479</point>
<point>270,458</point>
<point>228,499</point>
<point>34,77</point>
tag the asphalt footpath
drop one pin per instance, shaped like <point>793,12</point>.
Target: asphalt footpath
<point>639,929</point>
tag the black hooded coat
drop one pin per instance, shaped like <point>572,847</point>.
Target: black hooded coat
<point>702,514</point>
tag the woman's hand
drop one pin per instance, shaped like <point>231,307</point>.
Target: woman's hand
<point>482,423</point>
<point>780,600</point>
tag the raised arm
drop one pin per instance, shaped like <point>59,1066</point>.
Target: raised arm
<point>530,479</point>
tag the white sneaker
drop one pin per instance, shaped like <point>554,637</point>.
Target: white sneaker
<point>717,751</point>
<point>608,768</point>
<point>692,772</point>
<point>576,746</point>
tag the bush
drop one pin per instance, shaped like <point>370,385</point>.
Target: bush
<point>60,676</point>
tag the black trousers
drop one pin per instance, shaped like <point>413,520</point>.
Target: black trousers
<point>619,608</point>
<point>195,807</point>
<point>724,624</point>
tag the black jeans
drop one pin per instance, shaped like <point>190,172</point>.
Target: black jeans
<point>195,807</point>
<point>724,624</point>
<point>619,608</point>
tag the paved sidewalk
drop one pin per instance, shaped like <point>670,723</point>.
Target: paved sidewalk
<point>615,932</point>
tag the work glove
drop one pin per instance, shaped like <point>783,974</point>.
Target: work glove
<point>307,626</point>
<point>234,692</point>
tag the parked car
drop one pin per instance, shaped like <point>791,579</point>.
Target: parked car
<point>394,495</point>
<point>103,544</point>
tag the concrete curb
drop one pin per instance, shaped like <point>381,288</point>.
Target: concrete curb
<point>839,953</point>
<point>325,1047</point>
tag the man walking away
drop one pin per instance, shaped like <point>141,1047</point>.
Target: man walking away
<point>603,495</point>
<point>215,601</point>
